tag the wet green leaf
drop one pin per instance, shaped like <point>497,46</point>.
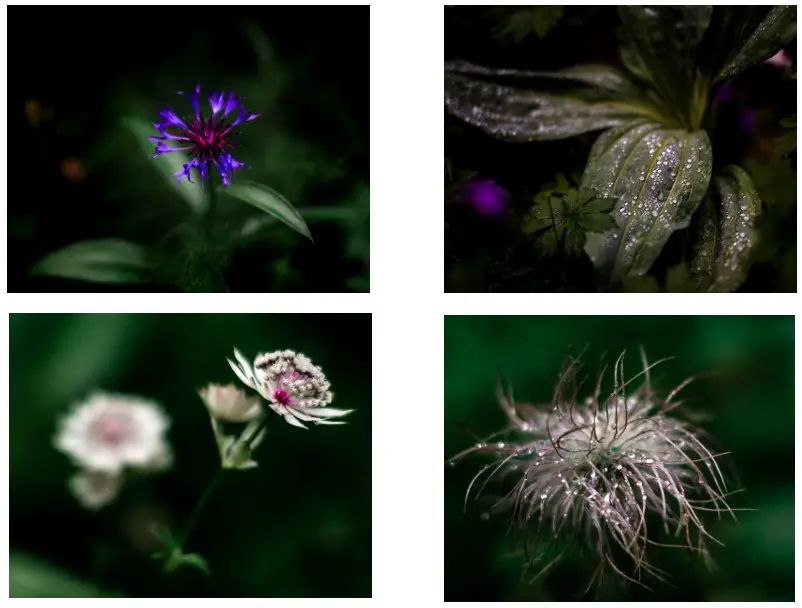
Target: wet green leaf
<point>659,177</point>
<point>167,164</point>
<point>661,43</point>
<point>775,31</point>
<point>102,261</point>
<point>522,115</point>
<point>560,223</point>
<point>726,237</point>
<point>269,201</point>
<point>602,77</point>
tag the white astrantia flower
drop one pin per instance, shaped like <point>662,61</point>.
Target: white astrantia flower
<point>109,433</point>
<point>95,489</point>
<point>292,385</point>
<point>230,404</point>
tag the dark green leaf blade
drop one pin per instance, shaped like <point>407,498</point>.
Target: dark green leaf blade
<point>268,200</point>
<point>523,116</point>
<point>726,237</point>
<point>776,30</point>
<point>660,45</point>
<point>101,261</point>
<point>605,78</point>
<point>659,177</point>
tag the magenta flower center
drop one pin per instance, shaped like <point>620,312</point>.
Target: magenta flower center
<point>208,138</point>
<point>111,430</point>
<point>281,396</point>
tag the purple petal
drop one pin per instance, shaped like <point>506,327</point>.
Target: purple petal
<point>168,136</point>
<point>232,162</point>
<point>244,116</point>
<point>203,167</point>
<point>162,148</point>
<point>194,98</point>
<point>217,102</point>
<point>185,172</point>
<point>171,119</point>
<point>232,103</point>
<point>221,167</point>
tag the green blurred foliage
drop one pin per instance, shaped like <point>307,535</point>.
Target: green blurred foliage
<point>296,526</point>
<point>744,370</point>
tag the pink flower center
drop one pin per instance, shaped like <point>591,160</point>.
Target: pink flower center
<point>112,430</point>
<point>282,396</point>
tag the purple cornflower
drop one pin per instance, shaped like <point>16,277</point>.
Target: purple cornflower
<point>205,139</point>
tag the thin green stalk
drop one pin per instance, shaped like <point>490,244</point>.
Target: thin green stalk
<point>196,513</point>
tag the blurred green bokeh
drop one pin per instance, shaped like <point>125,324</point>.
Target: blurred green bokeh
<point>299,525</point>
<point>745,371</point>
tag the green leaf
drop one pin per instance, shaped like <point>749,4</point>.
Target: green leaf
<point>164,534</point>
<point>726,236</point>
<point>661,43</point>
<point>178,559</point>
<point>604,78</point>
<point>774,32</point>
<point>166,164</point>
<point>521,115</point>
<point>730,27</point>
<point>29,576</point>
<point>561,222</point>
<point>519,23</point>
<point>102,261</point>
<point>679,279</point>
<point>658,177</point>
<point>269,201</point>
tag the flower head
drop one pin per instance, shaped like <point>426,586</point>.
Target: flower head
<point>230,404</point>
<point>206,140</point>
<point>95,489</point>
<point>108,433</point>
<point>600,470</point>
<point>291,384</point>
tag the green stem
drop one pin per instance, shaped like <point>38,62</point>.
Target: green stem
<point>211,211</point>
<point>250,439</point>
<point>196,513</point>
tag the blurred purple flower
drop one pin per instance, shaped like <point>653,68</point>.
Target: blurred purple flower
<point>486,197</point>
<point>725,93</point>
<point>205,140</point>
<point>748,120</point>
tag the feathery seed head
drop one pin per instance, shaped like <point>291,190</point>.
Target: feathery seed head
<point>601,471</point>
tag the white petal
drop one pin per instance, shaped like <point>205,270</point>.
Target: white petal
<point>324,412</point>
<point>294,421</point>
<point>242,374</point>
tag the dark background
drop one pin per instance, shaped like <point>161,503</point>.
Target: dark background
<point>70,86</point>
<point>490,252</point>
<point>299,525</point>
<point>745,382</point>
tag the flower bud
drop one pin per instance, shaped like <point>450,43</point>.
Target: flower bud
<point>230,404</point>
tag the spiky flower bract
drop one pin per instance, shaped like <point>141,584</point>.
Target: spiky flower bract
<point>206,140</point>
<point>597,474</point>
